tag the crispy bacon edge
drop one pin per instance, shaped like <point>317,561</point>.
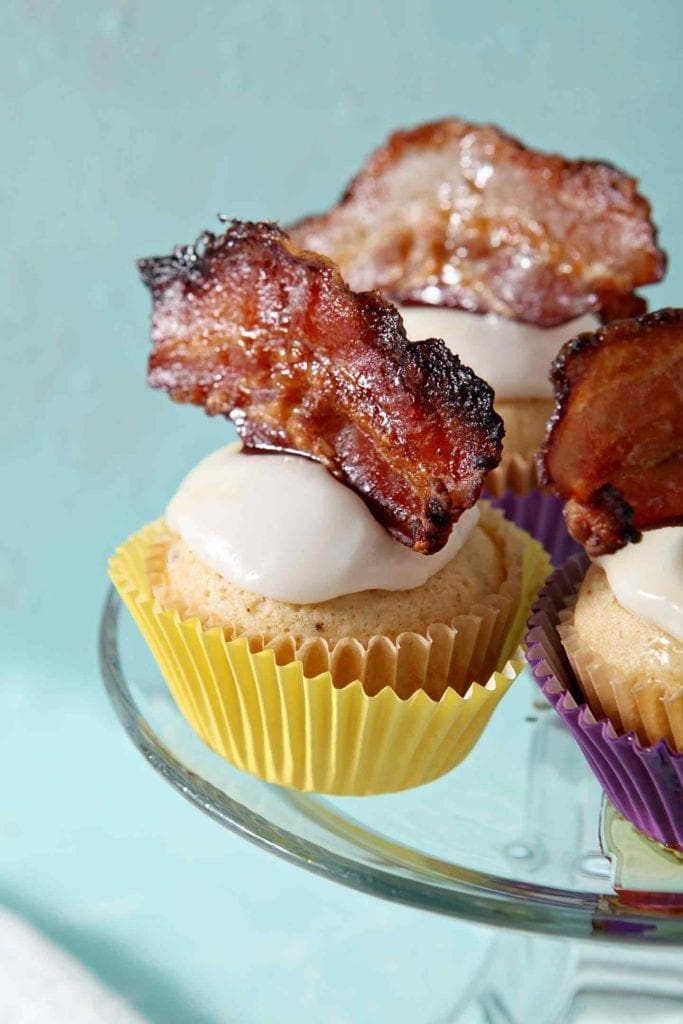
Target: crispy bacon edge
<point>545,295</point>
<point>418,484</point>
<point>644,489</point>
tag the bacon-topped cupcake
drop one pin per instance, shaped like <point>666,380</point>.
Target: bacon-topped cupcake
<point>607,642</point>
<point>331,607</point>
<point>505,253</point>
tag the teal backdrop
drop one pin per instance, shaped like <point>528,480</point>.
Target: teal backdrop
<point>128,126</point>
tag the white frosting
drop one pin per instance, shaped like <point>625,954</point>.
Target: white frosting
<point>281,526</point>
<point>514,358</point>
<point>647,578</point>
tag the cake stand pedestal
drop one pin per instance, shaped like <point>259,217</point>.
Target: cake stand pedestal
<point>532,980</point>
<point>589,915</point>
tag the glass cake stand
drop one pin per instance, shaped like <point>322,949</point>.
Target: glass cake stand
<point>516,837</point>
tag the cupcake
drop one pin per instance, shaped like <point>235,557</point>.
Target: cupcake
<point>331,606</point>
<point>607,633</point>
<point>505,253</point>
<point>624,637</point>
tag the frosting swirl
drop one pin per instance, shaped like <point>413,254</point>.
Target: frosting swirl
<point>283,527</point>
<point>647,578</point>
<point>513,357</point>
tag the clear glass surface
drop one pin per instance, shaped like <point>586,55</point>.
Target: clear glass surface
<point>509,838</point>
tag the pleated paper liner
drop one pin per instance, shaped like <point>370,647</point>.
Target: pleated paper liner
<point>643,781</point>
<point>516,472</point>
<point>525,426</point>
<point>513,488</point>
<point>338,721</point>
<point>650,709</point>
<point>540,514</point>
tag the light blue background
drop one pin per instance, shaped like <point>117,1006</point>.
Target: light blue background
<point>127,127</point>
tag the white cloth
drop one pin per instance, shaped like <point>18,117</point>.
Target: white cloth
<point>41,984</point>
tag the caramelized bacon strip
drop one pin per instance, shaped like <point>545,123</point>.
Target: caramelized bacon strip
<point>454,214</point>
<point>614,446</point>
<point>249,326</point>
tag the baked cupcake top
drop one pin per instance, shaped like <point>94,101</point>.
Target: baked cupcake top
<point>641,642</point>
<point>614,452</point>
<point>451,219</point>
<point>401,435</point>
<point>283,527</point>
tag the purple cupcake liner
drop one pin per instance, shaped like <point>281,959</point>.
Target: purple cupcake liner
<point>540,515</point>
<point>645,784</point>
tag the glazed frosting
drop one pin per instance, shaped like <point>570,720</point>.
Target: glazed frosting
<point>647,578</point>
<point>513,357</point>
<point>283,527</point>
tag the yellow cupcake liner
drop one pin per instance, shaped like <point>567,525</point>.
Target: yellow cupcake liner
<point>265,715</point>
<point>650,708</point>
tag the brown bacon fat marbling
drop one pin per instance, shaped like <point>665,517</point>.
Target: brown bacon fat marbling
<point>248,326</point>
<point>462,215</point>
<point>614,447</point>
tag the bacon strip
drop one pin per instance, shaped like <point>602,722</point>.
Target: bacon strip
<point>454,214</point>
<point>614,445</point>
<point>248,326</point>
